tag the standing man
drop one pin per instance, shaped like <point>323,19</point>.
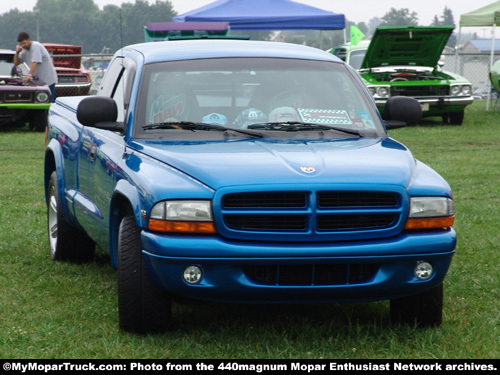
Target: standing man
<point>38,59</point>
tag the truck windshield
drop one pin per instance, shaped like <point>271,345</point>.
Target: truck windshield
<point>261,94</point>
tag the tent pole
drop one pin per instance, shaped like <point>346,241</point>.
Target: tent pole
<point>492,54</point>
<point>456,49</point>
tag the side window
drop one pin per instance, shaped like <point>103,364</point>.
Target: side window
<point>117,83</point>
<point>119,94</point>
<point>109,80</point>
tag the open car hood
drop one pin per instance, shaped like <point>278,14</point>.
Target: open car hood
<point>406,46</point>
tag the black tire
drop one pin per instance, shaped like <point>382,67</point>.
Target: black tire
<point>66,243</point>
<point>424,309</point>
<point>142,306</point>
<point>38,120</point>
<point>454,118</point>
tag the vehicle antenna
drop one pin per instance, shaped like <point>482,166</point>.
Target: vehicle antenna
<point>123,86</point>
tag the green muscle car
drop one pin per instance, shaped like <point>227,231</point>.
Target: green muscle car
<point>403,61</point>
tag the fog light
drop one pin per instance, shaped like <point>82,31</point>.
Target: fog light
<point>424,270</point>
<point>192,274</point>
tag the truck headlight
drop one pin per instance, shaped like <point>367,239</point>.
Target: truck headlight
<point>430,213</point>
<point>186,216</point>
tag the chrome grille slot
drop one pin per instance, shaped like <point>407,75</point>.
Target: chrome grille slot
<point>263,200</point>
<point>356,199</point>
<point>266,222</point>
<point>356,221</point>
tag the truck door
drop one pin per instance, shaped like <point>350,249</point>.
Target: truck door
<point>100,154</point>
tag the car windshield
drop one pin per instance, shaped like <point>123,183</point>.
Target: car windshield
<point>258,95</point>
<point>6,66</point>
<point>356,58</point>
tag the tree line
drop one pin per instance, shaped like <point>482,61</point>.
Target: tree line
<point>81,22</point>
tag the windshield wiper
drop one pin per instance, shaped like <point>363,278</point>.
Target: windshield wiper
<point>301,126</point>
<point>188,125</point>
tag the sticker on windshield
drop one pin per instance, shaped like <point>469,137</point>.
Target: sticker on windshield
<point>164,108</point>
<point>366,118</point>
<point>325,116</point>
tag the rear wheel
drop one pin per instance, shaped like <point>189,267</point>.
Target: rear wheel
<point>66,242</point>
<point>424,309</point>
<point>142,306</point>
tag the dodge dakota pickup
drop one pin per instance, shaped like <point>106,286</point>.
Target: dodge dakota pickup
<point>245,172</point>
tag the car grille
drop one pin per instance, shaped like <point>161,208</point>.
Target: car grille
<point>17,97</point>
<point>308,275</point>
<point>420,90</point>
<point>72,79</point>
<point>309,213</point>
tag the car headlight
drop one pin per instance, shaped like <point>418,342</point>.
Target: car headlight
<point>383,92</point>
<point>183,216</point>
<point>379,91</point>
<point>430,213</point>
<point>42,97</point>
<point>466,90</point>
<point>455,90</point>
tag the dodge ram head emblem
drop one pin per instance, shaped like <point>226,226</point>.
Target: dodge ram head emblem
<point>308,169</point>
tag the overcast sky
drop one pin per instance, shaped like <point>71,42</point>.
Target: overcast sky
<point>354,10</point>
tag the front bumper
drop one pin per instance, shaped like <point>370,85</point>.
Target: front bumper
<point>436,104</point>
<point>69,89</point>
<point>29,106</point>
<point>249,272</point>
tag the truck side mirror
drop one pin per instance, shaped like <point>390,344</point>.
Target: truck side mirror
<point>401,111</point>
<point>100,112</point>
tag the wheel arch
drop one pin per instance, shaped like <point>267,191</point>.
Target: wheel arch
<point>125,200</point>
<point>53,162</point>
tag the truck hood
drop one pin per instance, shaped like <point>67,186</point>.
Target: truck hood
<point>406,46</point>
<point>220,164</point>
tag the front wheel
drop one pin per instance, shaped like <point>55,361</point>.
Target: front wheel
<point>142,306</point>
<point>424,309</point>
<point>66,242</point>
<point>454,118</point>
<point>38,120</point>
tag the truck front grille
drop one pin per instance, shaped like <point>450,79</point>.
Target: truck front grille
<point>309,215</point>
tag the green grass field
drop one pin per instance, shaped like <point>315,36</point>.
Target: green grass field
<point>58,310</point>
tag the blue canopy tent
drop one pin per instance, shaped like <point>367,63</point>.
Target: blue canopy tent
<point>265,15</point>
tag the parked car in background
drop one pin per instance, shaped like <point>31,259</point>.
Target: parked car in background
<point>404,61</point>
<point>96,65</point>
<point>21,102</point>
<point>73,78</point>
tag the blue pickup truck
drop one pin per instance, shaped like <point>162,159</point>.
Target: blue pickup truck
<point>245,172</point>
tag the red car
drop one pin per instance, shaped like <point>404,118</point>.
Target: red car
<point>73,78</point>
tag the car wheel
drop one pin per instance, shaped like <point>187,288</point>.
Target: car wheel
<point>454,118</point>
<point>38,120</point>
<point>424,309</point>
<point>142,306</point>
<point>66,242</point>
